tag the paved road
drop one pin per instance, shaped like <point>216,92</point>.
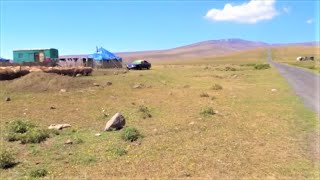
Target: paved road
<point>305,83</point>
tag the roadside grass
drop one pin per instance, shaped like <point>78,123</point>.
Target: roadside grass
<point>257,134</point>
<point>289,54</point>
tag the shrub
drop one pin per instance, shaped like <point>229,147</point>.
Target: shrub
<point>26,132</point>
<point>38,173</point>
<point>131,134</point>
<point>145,112</point>
<point>6,159</point>
<point>204,94</point>
<point>20,126</point>
<point>207,111</point>
<point>34,135</point>
<point>216,87</point>
<point>261,66</point>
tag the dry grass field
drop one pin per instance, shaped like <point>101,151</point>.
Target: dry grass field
<point>243,130</point>
<point>289,54</point>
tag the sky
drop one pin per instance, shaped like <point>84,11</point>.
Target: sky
<point>77,27</point>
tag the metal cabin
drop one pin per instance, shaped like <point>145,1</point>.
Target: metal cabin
<point>35,55</point>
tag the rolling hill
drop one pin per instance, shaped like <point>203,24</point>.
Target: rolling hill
<point>201,50</point>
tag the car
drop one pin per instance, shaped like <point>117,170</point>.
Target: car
<point>139,64</point>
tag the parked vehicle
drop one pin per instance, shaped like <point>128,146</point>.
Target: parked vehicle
<point>139,64</point>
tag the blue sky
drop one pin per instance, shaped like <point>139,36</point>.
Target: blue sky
<point>77,27</point>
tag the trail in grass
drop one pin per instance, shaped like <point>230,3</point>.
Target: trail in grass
<point>305,83</point>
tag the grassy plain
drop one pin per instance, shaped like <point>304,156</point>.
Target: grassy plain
<point>289,55</point>
<point>252,133</point>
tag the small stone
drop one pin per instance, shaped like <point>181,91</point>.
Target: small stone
<point>109,83</point>
<point>133,103</point>
<point>137,86</point>
<point>7,99</point>
<point>68,141</point>
<point>52,107</point>
<point>97,134</point>
<point>78,75</point>
<point>216,112</point>
<point>155,130</point>
<point>96,84</point>
<point>273,90</point>
<point>63,90</point>
<point>191,123</point>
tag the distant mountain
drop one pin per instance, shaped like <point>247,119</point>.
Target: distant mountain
<point>201,49</point>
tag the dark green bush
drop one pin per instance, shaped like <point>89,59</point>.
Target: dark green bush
<point>6,159</point>
<point>131,134</point>
<point>261,66</point>
<point>36,173</point>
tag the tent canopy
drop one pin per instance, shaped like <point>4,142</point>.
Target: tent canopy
<point>103,54</point>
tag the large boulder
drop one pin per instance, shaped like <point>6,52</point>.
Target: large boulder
<point>116,122</point>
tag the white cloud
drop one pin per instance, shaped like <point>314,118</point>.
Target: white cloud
<point>250,12</point>
<point>309,21</point>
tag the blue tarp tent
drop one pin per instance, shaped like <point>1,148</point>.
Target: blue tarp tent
<point>4,60</point>
<point>102,54</point>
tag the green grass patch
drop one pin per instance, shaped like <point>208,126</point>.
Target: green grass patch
<point>38,173</point>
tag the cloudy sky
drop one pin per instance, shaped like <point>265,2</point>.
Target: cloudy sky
<point>77,27</point>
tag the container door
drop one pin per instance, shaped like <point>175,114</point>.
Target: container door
<point>36,57</point>
<point>41,56</point>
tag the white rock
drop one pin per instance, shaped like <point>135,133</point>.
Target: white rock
<point>116,122</point>
<point>58,126</point>
<point>273,90</point>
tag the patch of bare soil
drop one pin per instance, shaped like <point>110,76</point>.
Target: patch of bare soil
<point>39,82</point>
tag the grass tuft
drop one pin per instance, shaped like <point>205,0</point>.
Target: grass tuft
<point>207,111</point>
<point>145,112</point>
<point>216,87</point>
<point>204,94</point>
